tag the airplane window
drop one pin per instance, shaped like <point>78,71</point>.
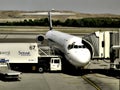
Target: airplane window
<point>76,46</point>
<point>70,46</point>
<point>83,46</point>
<point>80,46</point>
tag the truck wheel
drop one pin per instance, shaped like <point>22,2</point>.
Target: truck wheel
<point>40,69</point>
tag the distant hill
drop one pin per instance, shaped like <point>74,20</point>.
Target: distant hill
<point>21,15</point>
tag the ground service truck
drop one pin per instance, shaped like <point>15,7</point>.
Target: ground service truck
<point>25,56</point>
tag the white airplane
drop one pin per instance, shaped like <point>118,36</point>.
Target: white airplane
<point>71,46</point>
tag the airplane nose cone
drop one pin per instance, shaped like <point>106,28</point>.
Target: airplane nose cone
<point>80,57</point>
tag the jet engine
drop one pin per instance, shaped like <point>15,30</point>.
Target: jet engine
<point>40,38</point>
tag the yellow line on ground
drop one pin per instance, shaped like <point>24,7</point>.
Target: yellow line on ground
<point>91,83</point>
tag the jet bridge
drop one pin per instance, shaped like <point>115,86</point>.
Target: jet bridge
<point>104,45</point>
<point>100,43</point>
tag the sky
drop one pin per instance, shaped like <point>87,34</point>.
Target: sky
<point>83,6</point>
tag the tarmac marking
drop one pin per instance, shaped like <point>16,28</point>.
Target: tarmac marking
<point>91,83</point>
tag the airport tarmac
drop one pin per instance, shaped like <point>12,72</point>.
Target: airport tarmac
<point>96,79</point>
<point>60,81</point>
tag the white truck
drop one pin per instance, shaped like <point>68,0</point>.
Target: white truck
<point>25,56</point>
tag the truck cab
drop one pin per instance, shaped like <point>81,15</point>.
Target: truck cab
<point>55,64</point>
<point>49,63</point>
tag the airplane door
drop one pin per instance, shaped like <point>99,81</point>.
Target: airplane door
<point>55,64</point>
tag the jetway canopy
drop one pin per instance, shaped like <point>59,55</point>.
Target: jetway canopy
<point>100,43</point>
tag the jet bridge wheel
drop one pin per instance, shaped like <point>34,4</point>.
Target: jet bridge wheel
<point>40,69</point>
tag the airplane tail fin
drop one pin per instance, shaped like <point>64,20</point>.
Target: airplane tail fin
<point>50,20</point>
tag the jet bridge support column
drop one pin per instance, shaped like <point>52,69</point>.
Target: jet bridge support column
<point>118,65</point>
<point>112,59</point>
<point>113,64</point>
<point>119,49</point>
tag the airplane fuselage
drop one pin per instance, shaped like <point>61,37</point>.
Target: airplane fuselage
<point>71,46</point>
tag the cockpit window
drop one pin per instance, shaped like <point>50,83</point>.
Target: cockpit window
<point>75,46</point>
<point>83,46</point>
<point>70,46</point>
